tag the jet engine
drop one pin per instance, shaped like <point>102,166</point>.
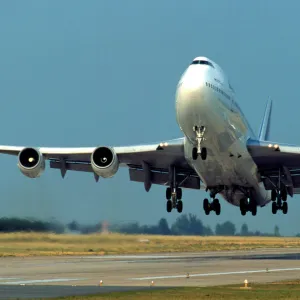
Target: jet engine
<point>104,162</point>
<point>31,162</point>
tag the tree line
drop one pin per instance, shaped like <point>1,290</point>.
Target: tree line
<point>30,225</point>
<point>185,224</point>
<point>191,225</point>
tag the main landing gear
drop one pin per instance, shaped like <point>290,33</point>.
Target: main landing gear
<point>248,204</point>
<point>199,138</point>
<point>279,201</point>
<point>174,199</point>
<point>280,193</point>
<point>174,192</point>
<point>214,205</point>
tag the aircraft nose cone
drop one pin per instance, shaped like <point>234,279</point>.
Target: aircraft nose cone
<point>191,87</point>
<point>191,100</point>
<point>193,80</point>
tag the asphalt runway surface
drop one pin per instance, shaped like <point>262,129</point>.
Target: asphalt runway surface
<point>37,277</point>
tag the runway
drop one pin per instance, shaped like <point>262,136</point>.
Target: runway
<point>63,276</point>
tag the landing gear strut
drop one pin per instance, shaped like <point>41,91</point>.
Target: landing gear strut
<point>199,138</point>
<point>174,193</point>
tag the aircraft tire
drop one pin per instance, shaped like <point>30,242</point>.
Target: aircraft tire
<point>169,206</point>
<point>284,208</point>
<point>274,208</point>
<point>273,195</point>
<point>179,206</point>
<point>217,207</point>
<point>168,193</point>
<point>283,195</point>
<point>216,201</point>
<point>206,206</point>
<point>203,153</point>
<point>254,210</point>
<point>243,207</point>
<point>194,153</point>
<point>179,193</point>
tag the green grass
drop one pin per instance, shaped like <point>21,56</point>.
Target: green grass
<point>33,244</point>
<point>281,290</point>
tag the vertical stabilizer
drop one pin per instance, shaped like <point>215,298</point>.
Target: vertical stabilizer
<point>265,125</point>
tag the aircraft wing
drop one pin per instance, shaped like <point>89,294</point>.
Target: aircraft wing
<point>151,161</point>
<point>276,160</point>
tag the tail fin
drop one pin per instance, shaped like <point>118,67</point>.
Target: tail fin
<point>265,125</point>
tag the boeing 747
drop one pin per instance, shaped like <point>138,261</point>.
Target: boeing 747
<point>219,152</point>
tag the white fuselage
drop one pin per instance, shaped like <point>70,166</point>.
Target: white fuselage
<point>204,97</point>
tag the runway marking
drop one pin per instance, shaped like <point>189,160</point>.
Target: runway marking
<point>9,278</point>
<point>216,274</point>
<point>132,257</point>
<point>42,280</point>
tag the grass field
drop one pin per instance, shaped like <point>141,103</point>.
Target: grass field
<point>32,244</point>
<point>280,290</point>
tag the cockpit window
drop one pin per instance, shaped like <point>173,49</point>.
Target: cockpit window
<point>202,62</point>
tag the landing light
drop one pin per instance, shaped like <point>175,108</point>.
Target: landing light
<point>163,144</point>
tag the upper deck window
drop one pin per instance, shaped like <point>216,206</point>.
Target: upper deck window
<point>202,62</point>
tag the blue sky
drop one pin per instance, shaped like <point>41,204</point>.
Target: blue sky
<point>89,73</point>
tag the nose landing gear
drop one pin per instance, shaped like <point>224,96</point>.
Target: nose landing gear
<point>199,138</point>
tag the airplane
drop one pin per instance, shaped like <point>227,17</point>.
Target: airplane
<point>218,153</point>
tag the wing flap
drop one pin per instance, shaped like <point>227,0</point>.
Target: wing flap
<point>270,155</point>
<point>272,181</point>
<point>162,178</point>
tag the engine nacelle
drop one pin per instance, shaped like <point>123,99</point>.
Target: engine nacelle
<point>104,162</point>
<point>31,162</point>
